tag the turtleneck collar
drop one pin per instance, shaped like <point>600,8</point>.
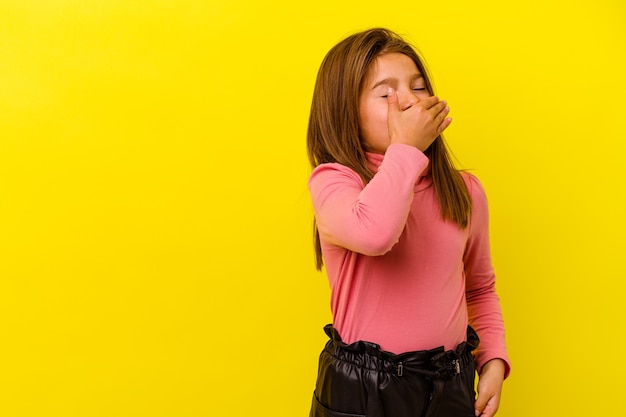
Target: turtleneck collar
<point>424,180</point>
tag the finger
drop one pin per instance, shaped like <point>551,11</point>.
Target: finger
<point>428,102</point>
<point>444,125</point>
<point>393,110</point>
<point>490,409</point>
<point>480,403</point>
<point>439,107</point>
<point>441,114</point>
<point>392,99</point>
<point>486,404</point>
<point>441,120</point>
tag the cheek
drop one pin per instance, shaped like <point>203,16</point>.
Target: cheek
<point>372,117</point>
<point>379,113</point>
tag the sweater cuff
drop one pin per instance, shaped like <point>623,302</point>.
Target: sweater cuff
<point>411,154</point>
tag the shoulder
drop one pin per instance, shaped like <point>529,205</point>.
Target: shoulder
<point>474,186</point>
<point>480,206</point>
<point>329,173</point>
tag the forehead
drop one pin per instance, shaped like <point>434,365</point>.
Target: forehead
<point>391,65</point>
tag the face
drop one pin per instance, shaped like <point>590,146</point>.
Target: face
<point>394,70</point>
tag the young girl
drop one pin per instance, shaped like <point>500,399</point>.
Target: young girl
<point>404,238</point>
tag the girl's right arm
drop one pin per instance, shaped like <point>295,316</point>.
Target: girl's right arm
<point>367,219</point>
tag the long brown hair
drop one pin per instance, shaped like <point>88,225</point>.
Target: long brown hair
<point>334,134</point>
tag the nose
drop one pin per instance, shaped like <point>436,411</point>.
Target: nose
<point>407,99</point>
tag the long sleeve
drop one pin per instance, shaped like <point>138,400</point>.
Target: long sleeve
<point>366,219</point>
<point>485,314</point>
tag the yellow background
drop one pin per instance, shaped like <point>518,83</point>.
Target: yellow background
<point>155,225</point>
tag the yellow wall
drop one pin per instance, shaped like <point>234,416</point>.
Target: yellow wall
<point>155,253</point>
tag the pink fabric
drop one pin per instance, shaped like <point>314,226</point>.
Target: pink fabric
<point>400,276</point>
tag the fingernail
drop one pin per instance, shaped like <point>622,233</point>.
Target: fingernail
<point>389,91</point>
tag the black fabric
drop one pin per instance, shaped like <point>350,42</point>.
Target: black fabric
<point>361,380</point>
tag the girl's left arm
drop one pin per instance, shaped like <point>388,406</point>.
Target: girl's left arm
<point>485,314</point>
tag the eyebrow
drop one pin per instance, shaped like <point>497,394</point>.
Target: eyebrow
<point>391,80</point>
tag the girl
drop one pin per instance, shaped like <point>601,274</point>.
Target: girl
<point>404,238</point>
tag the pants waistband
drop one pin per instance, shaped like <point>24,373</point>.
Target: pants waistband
<point>434,363</point>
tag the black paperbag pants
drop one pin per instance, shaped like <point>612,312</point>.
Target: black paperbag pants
<point>359,379</point>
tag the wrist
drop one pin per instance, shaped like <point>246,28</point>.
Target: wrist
<point>495,366</point>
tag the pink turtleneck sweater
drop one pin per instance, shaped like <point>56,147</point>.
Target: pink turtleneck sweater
<point>400,276</point>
